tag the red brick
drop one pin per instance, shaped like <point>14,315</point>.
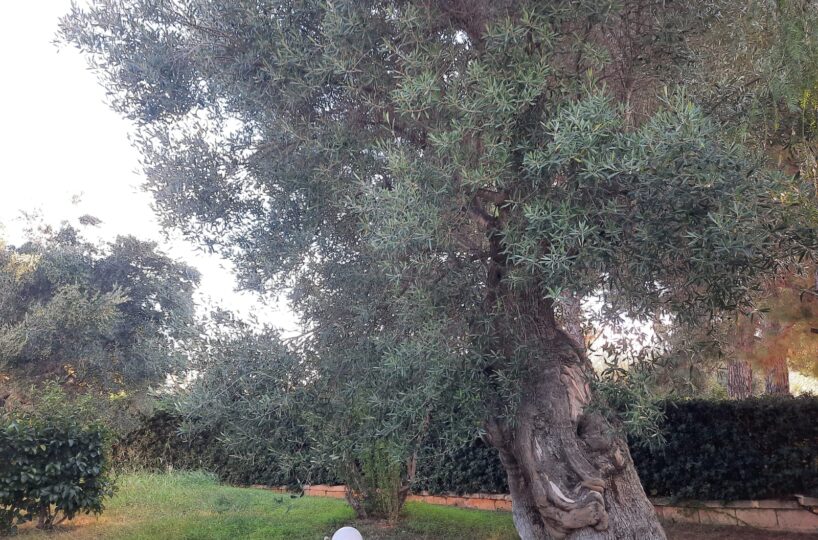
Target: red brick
<point>481,504</point>
<point>504,505</point>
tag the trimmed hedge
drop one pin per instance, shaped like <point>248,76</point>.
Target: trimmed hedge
<point>755,448</point>
<point>716,450</point>
<point>472,469</point>
<point>157,445</point>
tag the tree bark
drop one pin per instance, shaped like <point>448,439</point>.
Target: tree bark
<point>739,379</point>
<point>571,310</point>
<point>569,472</point>
<point>777,378</point>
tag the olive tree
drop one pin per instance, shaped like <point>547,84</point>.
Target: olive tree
<point>447,177</point>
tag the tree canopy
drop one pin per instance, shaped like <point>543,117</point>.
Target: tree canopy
<point>107,316</point>
<point>435,181</point>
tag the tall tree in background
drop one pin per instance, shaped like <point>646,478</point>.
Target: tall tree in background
<point>757,73</point>
<point>454,164</point>
<point>739,379</point>
<point>785,337</point>
<point>102,316</point>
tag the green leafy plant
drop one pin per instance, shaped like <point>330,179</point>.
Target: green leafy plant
<point>710,450</point>
<point>53,462</point>
<point>474,468</point>
<point>158,444</point>
<point>377,488</point>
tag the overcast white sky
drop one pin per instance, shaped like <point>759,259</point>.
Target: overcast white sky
<point>59,141</point>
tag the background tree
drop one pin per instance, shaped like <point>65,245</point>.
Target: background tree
<point>784,338</point>
<point>331,401</point>
<point>457,155</point>
<point>752,66</point>
<point>101,316</point>
<point>755,70</point>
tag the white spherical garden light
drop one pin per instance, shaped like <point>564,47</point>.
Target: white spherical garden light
<point>347,533</point>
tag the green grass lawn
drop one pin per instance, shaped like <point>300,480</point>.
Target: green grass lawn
<point>194,506</point>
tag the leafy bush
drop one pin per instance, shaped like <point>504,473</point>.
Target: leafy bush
<point>52,463</point>
<point>715,449</point>
<point>728,450</point>
<point>375,483</point>
<point>158,445</point>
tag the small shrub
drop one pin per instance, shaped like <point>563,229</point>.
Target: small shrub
<point>375,483</point>
<point>52,463</point>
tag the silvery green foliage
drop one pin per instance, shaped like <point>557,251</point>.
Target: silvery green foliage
<point>257,396</point>
<point>356,153</point>
<point>757,69</point>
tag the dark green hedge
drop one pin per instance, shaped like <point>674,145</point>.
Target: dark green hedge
<point>472,469</point>
<point>722,450</point>
<point>728,450</point>
<point>719,450</point>
<point>157,445</point>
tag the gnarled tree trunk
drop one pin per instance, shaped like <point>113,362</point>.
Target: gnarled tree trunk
<point>739,379</point>
<point>570,473</point>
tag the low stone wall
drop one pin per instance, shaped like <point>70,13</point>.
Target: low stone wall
<point>799,514</point>
<point>318,490</point>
